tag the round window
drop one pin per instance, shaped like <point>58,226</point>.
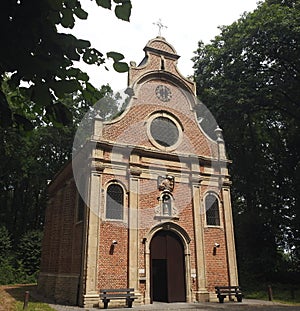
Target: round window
<point>164,131</point>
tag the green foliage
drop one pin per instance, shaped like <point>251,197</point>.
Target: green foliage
<point>38,60</point>
<point>5,242</point>
<point>29,251</point>
<point>248,76</point>
<point>28,162</point>
<point>21,265</point>
<point>6,269</point>
<point>285,293</point>
<point>118,66</point>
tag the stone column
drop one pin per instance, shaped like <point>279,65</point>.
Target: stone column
<point>231,254</point>
<point>188,270</point>
<point>133,229</point>
<point>202,294</point>
<point>147,271</point>
<point>91,296</point>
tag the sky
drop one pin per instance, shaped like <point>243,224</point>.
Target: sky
<point>187,23</point>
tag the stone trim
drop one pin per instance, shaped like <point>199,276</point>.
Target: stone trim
<point>169,116</point>
<point>185,239</point>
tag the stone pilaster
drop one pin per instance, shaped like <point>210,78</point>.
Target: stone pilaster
<point>133,247</point>
<point>91,293</point>
<point>202,294</point>
<point>231,255</point>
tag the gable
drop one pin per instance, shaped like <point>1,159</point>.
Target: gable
<point>162,96</point>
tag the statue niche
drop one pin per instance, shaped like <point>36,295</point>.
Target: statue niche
<point>166,208</point>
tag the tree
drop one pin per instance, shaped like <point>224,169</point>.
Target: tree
<point>5,242</point>
<point>6,268</point>
<point>39,60</point>
<point>248,76</point>
<point>30,159</point>
<point>29,251</point>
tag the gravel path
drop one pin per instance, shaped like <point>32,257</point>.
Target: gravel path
<point>246,305</point>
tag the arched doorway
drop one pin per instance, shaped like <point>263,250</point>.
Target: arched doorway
<point>167,267</point>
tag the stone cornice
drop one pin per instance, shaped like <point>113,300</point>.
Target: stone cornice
<point>143,151</point>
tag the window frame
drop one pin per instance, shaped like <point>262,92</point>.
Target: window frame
<point>114,183</point>
<point>211,193</point>
<point>166,115</point>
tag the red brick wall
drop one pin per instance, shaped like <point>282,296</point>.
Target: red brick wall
<point>216,261</point>
<point>132,127</point>
<point>62,241</point>
<point>113,260</point>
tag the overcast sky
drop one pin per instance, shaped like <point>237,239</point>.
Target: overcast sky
<point>187,23</point>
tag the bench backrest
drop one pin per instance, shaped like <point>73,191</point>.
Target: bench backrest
<point>117,290</point>
<point>227,289</point>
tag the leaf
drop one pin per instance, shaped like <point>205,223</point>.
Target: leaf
<point>82,43</point>
<point>82,76</point>
<point>54,17</point>
<point>93,56</point>
<point>80,13</point>
<point>123,11</point>
<point>106,4</point>
<point>41,95</point>
<point>77,73</point>
<point>121,67</point>
<point>62,113</point>
<point>59,114</point>
<point>55,4</point>
<point>62,87</point>
<point>5,111</point>
<point>23,122</point>
<point>115,56</point>
<point>72,54</point>
<point>67,20</point>
<point>70,3</point>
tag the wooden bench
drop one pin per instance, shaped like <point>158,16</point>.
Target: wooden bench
<point>223,291</point>
<point>108,294</point>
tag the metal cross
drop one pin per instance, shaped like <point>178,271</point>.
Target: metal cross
<point>160,26</point>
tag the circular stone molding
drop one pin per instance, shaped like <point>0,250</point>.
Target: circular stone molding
<point>164,131</point>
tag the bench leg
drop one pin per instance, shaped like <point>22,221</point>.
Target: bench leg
<point>129,303</point>
<point>239,298</point>
<point>221,299</point>
<point>106,301</point>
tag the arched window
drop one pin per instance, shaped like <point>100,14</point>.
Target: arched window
<point>114,202</point>
<point>212,210</point>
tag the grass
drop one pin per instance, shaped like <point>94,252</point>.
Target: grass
<point>12,299</point>
<point>288,294</point>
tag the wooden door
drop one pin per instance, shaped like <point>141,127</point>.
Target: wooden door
<point>167,268</point>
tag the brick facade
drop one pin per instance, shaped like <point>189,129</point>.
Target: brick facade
<point>79,256</point>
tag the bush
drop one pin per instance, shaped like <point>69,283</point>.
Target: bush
<point>29,251</point>
<point>7,272</point>
<point>22,265</point>
<point>5,242</point>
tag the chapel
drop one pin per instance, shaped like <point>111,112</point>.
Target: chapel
<point>145,202</point>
